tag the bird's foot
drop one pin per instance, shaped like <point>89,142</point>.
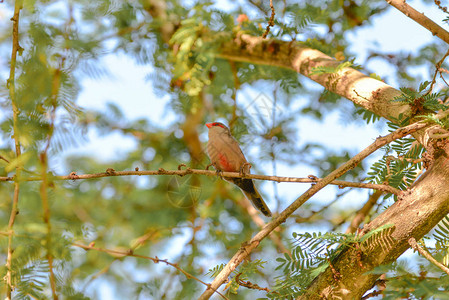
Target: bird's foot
<point>219,173</point>
<point>243,172</point>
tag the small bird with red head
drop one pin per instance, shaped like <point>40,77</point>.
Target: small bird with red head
<point>225,155</point>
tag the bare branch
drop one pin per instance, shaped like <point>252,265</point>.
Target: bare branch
<point>437,70</point>
<point>420,18</point>
<point>416,247</point>
<point>312,179</point>
<point>271,21</point>
<point>130,252</point>
<point>3,158</point>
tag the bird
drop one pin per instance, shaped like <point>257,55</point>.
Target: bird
<point>225,155</point>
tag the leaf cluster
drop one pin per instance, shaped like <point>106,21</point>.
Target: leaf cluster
<point>421,101</point>
<point>314,252</point>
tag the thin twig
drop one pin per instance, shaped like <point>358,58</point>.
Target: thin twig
<point>442,8</point>
<point>118,253</point>
<point>363,212</point>
<point>99,273</point>
<point>415,246</point>
<point>420,18</point>
<point>270,21</point>
<point>313,213</point>
<point>3,158</point>
<point>312,179</point>
<point>12,94</point>
<point>249,284</point>
<point>243,252</point>
<point>437,70</point>
<point>44,184</point>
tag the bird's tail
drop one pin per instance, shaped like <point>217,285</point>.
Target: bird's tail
<point>251,193</point>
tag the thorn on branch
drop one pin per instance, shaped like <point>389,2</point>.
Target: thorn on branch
<point>110,171</point>
<point>312,177</point>
<point>208,166</point>
<point>20,50</point>
<point>73,176</point>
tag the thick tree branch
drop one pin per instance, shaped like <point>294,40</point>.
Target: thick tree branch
<point>255,241</point>
<point>420,18</point>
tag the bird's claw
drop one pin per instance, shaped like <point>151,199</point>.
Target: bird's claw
<point>242,171</point>
<point>219,173</point>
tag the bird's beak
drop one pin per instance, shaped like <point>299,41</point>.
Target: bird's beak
<point>209,125</point>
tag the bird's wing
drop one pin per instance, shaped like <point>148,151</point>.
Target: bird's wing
<point>237,153</point>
